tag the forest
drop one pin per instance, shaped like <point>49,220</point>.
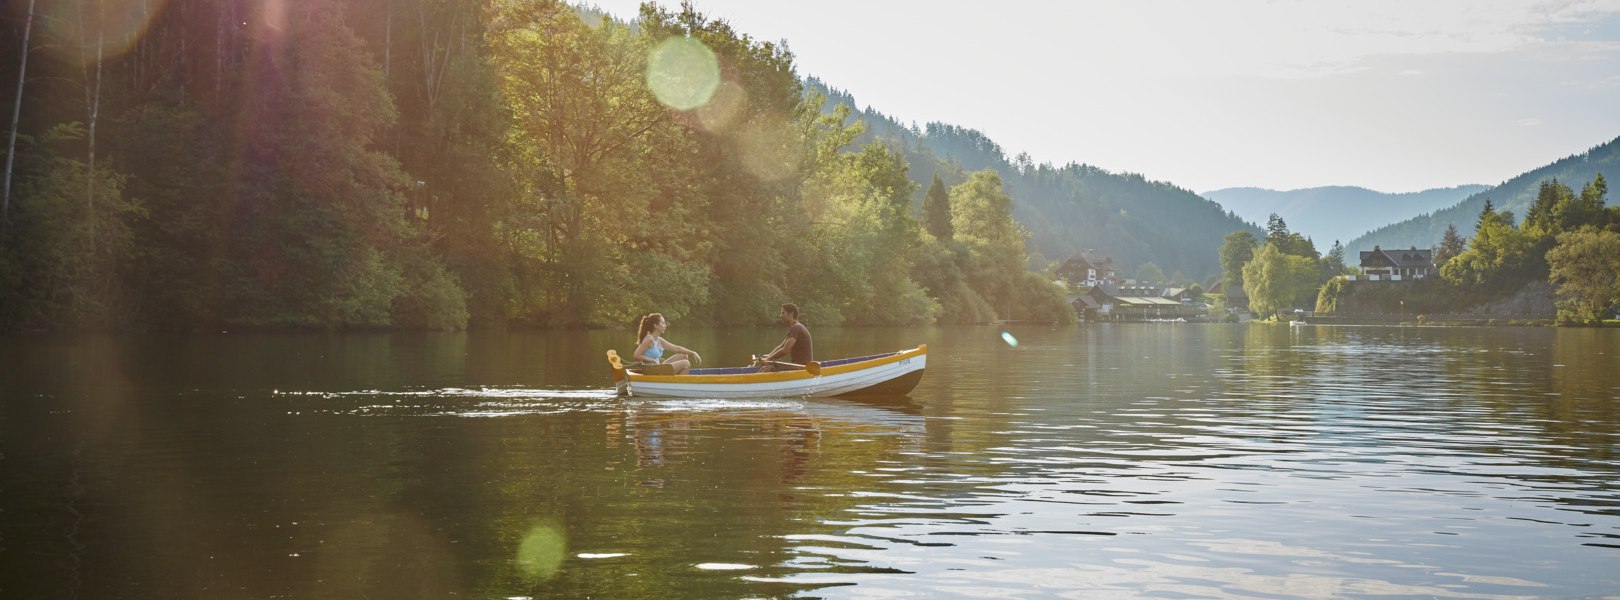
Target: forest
<point>1136,221</point>
<point>439,164</point>
<point>1567,239</point>
<point>1515,194</point>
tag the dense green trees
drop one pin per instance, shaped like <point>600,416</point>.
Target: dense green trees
<point>440,164</point>
<point>1515,194</point>
<point>1585,265</point>
<point>1451,244</point>
<point>1286,272</point>
<point>937,210</point>
<point>1276,281</point>
<point>1071,207</point>
<point>1567,239</point>
<point>1237,249</point>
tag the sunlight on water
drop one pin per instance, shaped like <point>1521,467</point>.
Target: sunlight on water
<point>1095,461</point>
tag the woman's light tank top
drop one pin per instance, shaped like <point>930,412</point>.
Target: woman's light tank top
<point>655,352</point>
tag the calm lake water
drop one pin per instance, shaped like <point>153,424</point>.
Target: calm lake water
<point>1086,461</point>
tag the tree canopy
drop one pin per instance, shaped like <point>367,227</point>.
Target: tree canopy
<point>439,164</point>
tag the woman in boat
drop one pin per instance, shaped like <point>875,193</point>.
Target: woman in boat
<point>652,345</point>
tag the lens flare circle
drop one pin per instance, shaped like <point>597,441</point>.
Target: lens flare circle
<point>541,553</point>
<point>683,73</point>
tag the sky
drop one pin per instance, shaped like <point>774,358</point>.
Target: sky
<point>1395,96</point>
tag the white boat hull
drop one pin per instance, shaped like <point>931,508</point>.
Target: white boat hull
<point>892,374</point>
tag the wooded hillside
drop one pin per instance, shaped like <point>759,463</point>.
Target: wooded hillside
<point>1073,207</point>
<point>217,164</point>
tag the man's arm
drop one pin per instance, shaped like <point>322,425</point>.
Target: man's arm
<point>782,349</point>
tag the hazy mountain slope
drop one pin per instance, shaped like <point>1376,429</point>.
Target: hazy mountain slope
<point>1515,195</point>
<point>1068,208</point>
<point>1341,213</point>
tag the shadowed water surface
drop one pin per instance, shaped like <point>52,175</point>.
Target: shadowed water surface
<point>1095,461</point>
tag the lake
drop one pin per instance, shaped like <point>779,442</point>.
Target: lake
<point>1106,460</point>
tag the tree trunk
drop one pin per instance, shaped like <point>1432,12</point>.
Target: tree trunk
<point>16,115</point>
<point>219,54</point>
<point>388,39</point>
<point>93,106</point>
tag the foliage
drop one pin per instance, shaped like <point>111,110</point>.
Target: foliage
<point>1498,254</point>
<point>1236,250</point>
<point>438,165</point>
<point>433,300</point>
<point>1275,281</point>
<point>937,210</point>
<point>1451,245</point>
<point>1071,207</point>
<point>1294,244</point>
<point>1333,264</point>
<point>1422,296</point>
<point>1150,273</point>
<point>1585,265</point>
<point>1515,194</point>
<point>1327,299</point>
<point>66,244</point>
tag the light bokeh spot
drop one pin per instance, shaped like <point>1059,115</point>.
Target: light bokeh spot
<point>115,24</point>
<point>1008,337</point>
<point>769,149</point>
<point>723,107</point>
<point>683,73</point>
<point>542,552</point>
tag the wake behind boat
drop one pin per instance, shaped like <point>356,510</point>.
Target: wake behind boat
<point>890,374</point>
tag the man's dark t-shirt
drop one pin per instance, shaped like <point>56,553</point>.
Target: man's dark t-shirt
<point>803,352</point>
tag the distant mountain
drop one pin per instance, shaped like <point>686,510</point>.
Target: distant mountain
<point>1338,213</point>
<point>1070,208</point>
<point>1515,195</point>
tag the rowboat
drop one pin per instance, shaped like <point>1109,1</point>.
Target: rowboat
<point>890,374</point>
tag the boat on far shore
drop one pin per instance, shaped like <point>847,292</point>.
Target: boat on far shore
<point>889,374</point>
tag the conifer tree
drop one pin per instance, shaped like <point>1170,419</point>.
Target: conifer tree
<point>937,210</point>
<point>1451,244</point>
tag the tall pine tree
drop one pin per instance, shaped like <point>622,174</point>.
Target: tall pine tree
<point>1451,244</point>
<point>937,210</point>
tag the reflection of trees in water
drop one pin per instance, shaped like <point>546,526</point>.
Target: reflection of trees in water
<point>681,484</point>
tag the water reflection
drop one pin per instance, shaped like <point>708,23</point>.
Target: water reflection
<point>1312,463</point>
<point>1132,460</point>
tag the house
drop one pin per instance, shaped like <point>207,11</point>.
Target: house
<point>1088,268</point>
<point>1109,302</point>
<point>1396,265</point>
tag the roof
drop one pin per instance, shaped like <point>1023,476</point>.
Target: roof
<point>1091,257</point>
<point>1409,258</point>
<point>1146,301</point>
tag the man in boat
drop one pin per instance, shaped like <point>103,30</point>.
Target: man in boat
<point>796,345</point>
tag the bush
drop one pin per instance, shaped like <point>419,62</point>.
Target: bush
<point>433,299</point>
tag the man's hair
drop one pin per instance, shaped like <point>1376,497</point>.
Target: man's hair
<point>792,309</point>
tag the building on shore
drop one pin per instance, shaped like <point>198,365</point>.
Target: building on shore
<point>1396,265</point>
<point>1110,302</point>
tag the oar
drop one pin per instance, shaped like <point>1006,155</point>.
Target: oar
<point>814,367</point>
<point>621,377</point>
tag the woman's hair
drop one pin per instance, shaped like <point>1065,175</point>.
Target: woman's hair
<point>646,327</point>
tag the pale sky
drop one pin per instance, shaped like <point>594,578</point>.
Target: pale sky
<point>1396,96</point>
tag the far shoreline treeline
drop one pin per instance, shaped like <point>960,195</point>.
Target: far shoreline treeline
<point>1567,241</point>
<point>445,165</point>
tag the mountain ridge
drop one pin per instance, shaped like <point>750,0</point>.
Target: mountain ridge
<point>1339,212</point>
<point>1133,219</point>
<point>1514,194</point>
